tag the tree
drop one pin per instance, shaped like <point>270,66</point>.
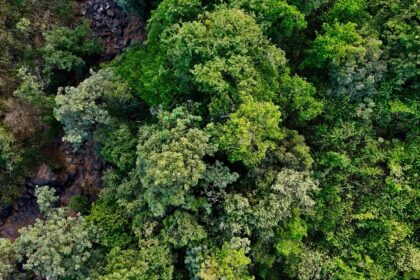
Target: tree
<point>218,263</point>
<point>337,43</point>
<point>408,261</point>
<point>170,158</point>
<point>290,238</point>
<point>279,18</point>
<point>151,262</point>
<point>215,181</point>
<point>67,49</point>
<point>182,229</point>
<point>7,258</point>
<point>225,263</point>
<point>10,156</point>
<point>402,46</point>
<point>112,224</point>
<point>349,11</point>
<point>251,132</point>
<point>11,164</point>
<point>80,109</point>
<point>298,96</point>
<point>359,75</point>
<point>31,90</point>
<point>58,246</point>
<point>168,13</point>
<point>116,145</point>
<point>292,152</point>
<point>261,214</point>
<point>308,265</point>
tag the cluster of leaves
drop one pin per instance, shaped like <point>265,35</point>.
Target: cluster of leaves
<point>170,158</point>
<point>67,49</point>
<point>10,167</point>
<point>58,246</point>
<point>7,258</point>
<point>79,108</point>
<point>9,16</point>
<point>22,24</point>
<point>219,263</point>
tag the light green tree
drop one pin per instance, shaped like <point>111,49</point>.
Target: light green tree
<point>349,11</point>
<point>225,64</point>
<point>338,42</point>
<point>251,132</point>
<point>7,258</point>
<point>292,190</point>
<point>151,262</point>
<point>80,108</point>
<point>57,246</point>
<point>278,18</point>
<point>226,262</point>
<point>170,158</point>
<point>31,90</point>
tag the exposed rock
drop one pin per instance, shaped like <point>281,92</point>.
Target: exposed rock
<point>110,13</point>
<point>22,119</point>
<point>16,206</point>
<point>112,24</point>
<point>45,177</point>
<point>22,218</point>
<point>80,174</point>
<point>69,193</point>
<point>72,171</point>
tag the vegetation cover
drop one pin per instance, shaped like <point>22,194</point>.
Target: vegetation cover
<point>244,139</point>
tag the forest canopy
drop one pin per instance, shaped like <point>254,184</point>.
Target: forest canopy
<point>241,139</point>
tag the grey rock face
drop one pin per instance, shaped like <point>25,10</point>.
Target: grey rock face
<point>116,28</point>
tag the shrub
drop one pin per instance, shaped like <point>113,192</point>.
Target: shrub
<point>67,49</point>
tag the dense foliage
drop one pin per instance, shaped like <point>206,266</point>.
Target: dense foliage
<point>257,139</point>
<point>67,49</point>
<point>55,247</point>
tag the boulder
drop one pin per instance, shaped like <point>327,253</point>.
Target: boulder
<point>110,12</point>
<point>112,24</point>
<point>45,177</point>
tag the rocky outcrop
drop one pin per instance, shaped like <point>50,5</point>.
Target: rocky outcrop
<point>79,174</point>
<point>116,28</point>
